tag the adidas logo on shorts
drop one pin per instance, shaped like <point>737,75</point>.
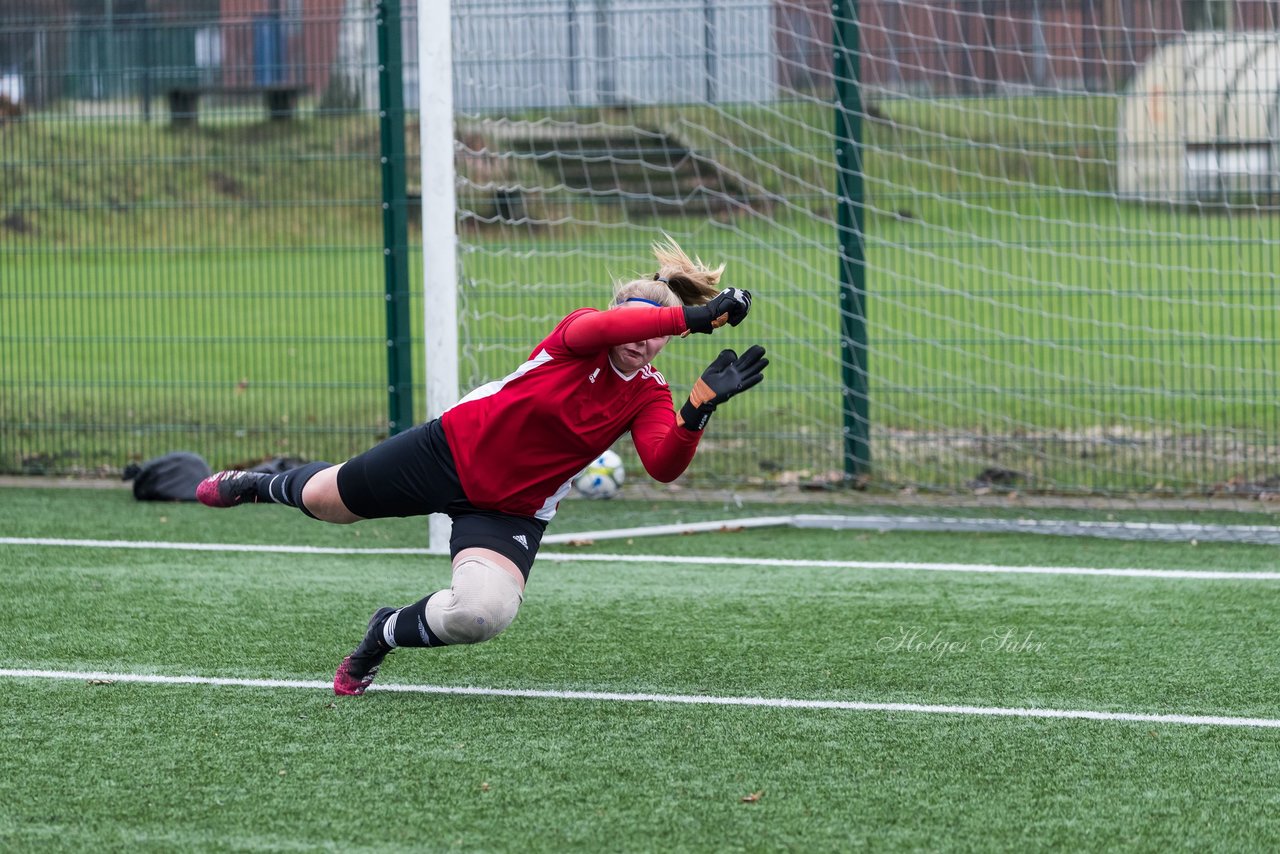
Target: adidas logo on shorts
<point>521,539</point>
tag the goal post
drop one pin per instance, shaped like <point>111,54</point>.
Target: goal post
<point>439,218</point>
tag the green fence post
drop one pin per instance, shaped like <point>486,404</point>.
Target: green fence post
<point>395,222</point>
<point>850,214</point>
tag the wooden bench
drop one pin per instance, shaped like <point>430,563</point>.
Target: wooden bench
<point>280,99</point>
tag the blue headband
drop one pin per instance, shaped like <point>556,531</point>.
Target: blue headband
<point>642,299</point>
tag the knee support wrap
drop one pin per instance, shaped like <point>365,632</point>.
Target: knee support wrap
<point>482,602</point>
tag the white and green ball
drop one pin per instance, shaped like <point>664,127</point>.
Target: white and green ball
<point>602,478</point>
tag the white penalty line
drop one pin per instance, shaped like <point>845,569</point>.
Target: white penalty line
<point>672,699</point>
<point>1177,574</point>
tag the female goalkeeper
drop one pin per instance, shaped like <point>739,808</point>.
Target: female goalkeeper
<point>499,461</point>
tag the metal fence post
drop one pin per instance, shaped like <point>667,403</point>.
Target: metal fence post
<point>395,222</point>
<point>850,213</point>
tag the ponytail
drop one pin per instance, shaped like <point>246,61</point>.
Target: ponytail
<point>691,281</point>
<point>679,280</point>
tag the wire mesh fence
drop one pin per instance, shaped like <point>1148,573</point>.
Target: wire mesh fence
<point>192,234</point>
<point>191,243</point>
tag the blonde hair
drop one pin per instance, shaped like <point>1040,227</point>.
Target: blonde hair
<point>679,280</point>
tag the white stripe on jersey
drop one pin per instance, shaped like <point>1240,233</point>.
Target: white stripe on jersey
<point>548,509</point>
<point>492,388</point>
<point>649,371</point>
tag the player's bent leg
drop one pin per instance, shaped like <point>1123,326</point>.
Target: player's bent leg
<point>322,500</point>
<point>484,599</point>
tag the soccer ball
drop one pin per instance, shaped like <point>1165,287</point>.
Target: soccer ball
<point>602,478</point>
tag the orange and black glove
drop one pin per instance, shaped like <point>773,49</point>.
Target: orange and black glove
<point>728,375</point>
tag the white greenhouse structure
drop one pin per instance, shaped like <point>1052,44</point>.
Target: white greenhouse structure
<point>1201,122</point>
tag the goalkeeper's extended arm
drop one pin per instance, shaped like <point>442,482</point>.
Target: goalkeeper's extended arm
<point>728,375</point>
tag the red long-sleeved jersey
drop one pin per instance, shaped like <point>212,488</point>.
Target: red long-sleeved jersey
<point>518,441</point>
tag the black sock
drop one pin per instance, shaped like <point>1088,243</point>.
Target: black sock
<point>410,627</point>
<point>287,488</point>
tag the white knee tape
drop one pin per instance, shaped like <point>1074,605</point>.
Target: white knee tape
<point>482,602</point>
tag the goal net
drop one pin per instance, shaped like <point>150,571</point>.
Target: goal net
<point>1060,230</point>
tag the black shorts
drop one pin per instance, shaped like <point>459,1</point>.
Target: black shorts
<point>413,474</point>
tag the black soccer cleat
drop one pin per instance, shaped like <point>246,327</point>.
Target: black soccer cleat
<point>357,670</point>
<point>229,488</point>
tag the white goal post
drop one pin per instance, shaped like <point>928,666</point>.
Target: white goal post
<point>439,223</point>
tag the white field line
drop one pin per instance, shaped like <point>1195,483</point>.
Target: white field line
<point>674,699</point>
<point>709,560</point>
<point>204,547</point>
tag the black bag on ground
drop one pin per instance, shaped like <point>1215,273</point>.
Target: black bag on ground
<point>172,477</point>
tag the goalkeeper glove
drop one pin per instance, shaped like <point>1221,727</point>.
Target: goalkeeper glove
<point>729,306</point>
<point>728,375</point>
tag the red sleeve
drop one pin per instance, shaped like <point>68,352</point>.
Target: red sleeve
<point>665,450</point>
<point>592,331</point>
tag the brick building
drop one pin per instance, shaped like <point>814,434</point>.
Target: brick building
<point>976,45</point>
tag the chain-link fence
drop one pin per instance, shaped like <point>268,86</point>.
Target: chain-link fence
<point>194,237</point>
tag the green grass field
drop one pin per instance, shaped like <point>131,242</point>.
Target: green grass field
<point>176,766</point>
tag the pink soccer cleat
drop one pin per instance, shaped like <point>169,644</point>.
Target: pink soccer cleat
<point>229,488</point>
<point>357,670</point>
